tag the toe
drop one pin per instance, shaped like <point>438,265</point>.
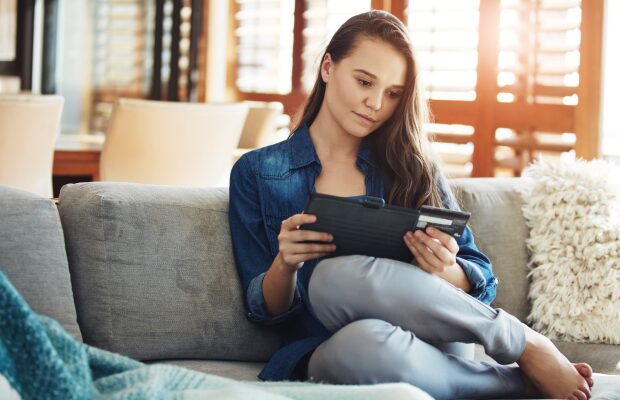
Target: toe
<point>585,389</point>
<point>580,395</point>
<point>584,369</point>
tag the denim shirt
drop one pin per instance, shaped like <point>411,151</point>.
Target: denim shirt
<point>270,184</point>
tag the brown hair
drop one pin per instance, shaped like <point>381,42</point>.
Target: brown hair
<point>400,144</point>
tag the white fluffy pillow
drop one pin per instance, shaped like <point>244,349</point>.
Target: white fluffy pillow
<point>573,211</point>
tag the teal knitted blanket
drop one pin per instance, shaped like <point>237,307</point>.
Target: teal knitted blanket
<point>42,361</point>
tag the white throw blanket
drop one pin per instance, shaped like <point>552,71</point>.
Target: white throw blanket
<point>573,212</point>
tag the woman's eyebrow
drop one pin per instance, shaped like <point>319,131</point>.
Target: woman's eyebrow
<point>373,76</point>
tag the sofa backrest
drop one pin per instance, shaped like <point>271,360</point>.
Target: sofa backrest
<point>154,276</point>
<point>33,257</point>
<point>500,232</point>
<point>153,273</point>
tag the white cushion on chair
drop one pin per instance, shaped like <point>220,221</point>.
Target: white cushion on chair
<point>29,125</point>
<point>170,143</point>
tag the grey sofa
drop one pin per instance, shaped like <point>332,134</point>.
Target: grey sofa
<point>147,271</point>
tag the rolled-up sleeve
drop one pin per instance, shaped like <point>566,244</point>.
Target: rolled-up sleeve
<point>475,264</point>
<point>257,309</point>
<point>251,245</point>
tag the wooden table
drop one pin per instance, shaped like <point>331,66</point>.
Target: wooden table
<point>78,155</point>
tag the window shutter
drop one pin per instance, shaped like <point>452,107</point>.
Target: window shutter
<point>121,44</point>
<point>525,108</point>
<point>177,29</point>
<point>264,45</point>
<point>445,40</point>
<point>122,54</point>
<point>538,64</point>
<point>322,19</point>
<point>539,51</point>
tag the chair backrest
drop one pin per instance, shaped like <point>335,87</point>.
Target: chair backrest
<point>261,124</point>
<point>29,126</point>
<point>169,143</point>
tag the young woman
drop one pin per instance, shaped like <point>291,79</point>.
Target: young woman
<point>358,319</point>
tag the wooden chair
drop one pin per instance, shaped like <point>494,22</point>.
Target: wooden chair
<point>261,124</point>
<point>171,143</point>
<point>29,126</point>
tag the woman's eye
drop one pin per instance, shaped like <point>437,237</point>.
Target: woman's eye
<point>364,82</point>
<point>394,95</point>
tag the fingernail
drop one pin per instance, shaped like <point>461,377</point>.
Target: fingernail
<point>418,234</point>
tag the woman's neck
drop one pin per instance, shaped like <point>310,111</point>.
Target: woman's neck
<point>330,141</point>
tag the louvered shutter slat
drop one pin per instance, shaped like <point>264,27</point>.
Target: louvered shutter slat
<point>264,45</point>
<point>445,40</point>
<point>322,18</point>
<point>543,69</point>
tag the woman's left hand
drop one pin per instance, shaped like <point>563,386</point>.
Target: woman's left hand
<point>433,250</point>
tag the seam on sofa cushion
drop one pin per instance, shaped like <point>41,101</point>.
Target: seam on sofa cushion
<point>108,272</point>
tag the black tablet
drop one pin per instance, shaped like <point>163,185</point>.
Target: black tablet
<point>370,227</point>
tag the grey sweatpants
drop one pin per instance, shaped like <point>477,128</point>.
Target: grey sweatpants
<point>394,322</point>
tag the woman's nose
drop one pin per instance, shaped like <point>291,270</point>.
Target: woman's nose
<point>373,101</point>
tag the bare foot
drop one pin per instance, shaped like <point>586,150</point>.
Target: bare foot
<point>551,372</point>
<point>531,391</point>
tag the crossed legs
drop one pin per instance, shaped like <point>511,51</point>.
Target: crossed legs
<point>389,319</point>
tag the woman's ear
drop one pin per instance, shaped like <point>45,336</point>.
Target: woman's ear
<point>326,67</point>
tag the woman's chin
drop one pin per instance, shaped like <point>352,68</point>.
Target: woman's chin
<point>360,130</point>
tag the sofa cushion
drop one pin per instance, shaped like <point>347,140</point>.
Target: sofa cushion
<point>33,257</point>
<point>500,232</point>
<point>604,358</point>
<point>243,371</point>
<point>154,275</point>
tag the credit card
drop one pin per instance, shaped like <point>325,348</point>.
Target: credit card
<point>449,221</point>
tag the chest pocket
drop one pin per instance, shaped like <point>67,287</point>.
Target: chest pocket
<point>281,198</point>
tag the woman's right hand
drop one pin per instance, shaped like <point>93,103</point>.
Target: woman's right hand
<point>292,251</point>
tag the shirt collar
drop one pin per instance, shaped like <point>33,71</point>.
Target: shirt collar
<point>302,150</point>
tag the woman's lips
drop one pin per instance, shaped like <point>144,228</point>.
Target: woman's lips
<point>365,117</point>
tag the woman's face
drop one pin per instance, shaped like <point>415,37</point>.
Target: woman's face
<point>363,89</point>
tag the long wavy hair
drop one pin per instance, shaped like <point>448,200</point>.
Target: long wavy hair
<point>401,145</point>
